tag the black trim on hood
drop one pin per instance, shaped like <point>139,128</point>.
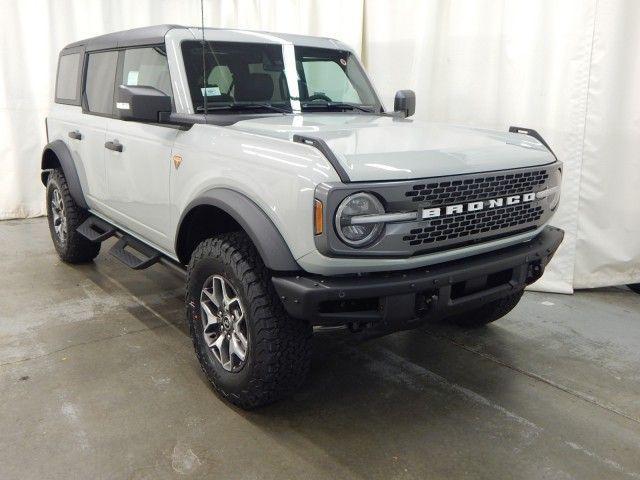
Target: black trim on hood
<point>532,133</point>
<point>327,152</point>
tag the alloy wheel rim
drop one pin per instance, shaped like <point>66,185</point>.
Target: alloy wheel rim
<point>223,323</point>
<point>59,217</point>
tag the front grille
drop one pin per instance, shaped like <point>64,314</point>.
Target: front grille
<point>469,189</point>
<point>466,228</point>
<point>437,228</point>
<point>471,224</point>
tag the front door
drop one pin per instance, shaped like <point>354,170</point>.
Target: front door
<point>138,155</point>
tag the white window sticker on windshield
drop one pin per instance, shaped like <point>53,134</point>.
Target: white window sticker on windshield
<point>211,91</point>
<point>132,77</point>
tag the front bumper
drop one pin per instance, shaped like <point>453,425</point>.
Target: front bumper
<point>398,300</point>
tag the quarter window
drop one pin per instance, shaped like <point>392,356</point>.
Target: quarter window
<point>67,81</point>
<point>101,74</point>
<point>147,67</point>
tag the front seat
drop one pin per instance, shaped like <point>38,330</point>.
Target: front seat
<point>255,87</point>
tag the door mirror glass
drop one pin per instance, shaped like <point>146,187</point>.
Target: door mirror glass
<point>405,102</point>
<point>143,104</point>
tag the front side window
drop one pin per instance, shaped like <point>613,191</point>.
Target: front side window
<point>101,75</point>
<point>67,81</point>
<point>252,76</point>
<point>147,67</point>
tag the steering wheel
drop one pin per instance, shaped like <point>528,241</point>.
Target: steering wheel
<point>319,96</point>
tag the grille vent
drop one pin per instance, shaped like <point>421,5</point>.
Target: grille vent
<point>472,224</point>
<point>470,189</point>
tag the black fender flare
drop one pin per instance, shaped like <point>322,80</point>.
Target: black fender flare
<point>61,151</point>
<point>263,233</point>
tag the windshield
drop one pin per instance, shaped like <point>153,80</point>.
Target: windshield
<point>252,76</point>
<point>327,76</point>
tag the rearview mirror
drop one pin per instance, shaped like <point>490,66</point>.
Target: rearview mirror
<point>405,102</point>
<point>142,104</point>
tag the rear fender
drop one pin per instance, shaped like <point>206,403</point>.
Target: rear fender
<point>56,154</point>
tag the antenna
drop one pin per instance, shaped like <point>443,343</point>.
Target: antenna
<point>204,64</point>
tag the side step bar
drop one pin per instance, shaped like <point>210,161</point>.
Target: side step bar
<point>96,229</point>
<point>130,251</point>
<point>134,254</point>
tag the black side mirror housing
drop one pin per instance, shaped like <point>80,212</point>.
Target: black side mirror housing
<point>405,102</point>
<point>143,104</point>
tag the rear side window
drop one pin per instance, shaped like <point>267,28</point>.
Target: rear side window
<point>67,81</point>
<point>101,75</point>
<point>147,67</point>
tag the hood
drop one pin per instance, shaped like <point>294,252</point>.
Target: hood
<point>378,148</point>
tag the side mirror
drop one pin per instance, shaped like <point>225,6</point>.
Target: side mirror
<point>405,102</point>
<point>142,104</point>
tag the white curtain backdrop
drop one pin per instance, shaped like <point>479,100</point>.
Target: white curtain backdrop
<point>567,68</point>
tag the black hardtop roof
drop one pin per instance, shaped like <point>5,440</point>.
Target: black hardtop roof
<point>126,38</point>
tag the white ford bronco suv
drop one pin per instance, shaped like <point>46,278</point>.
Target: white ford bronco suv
<point>265,166</point>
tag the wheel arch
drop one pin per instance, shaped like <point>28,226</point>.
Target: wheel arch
<point>221,210</point>
<point>56,154</point>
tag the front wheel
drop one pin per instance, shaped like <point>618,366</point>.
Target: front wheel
<point>487,313</point>
<point>251,351</point>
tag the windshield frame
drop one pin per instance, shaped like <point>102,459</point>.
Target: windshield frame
<point>291,76</point>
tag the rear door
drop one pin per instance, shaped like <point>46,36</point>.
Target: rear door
<point>64,121</point>
<point>138,175</point>
<point>97,107</point>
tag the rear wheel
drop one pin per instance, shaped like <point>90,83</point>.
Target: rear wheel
<point>251,351</point>
<point>64,217</point>
<point>487,313</point>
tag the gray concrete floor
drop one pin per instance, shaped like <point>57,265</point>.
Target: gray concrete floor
<point>98,380</point>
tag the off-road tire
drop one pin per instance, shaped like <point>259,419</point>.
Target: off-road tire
<point>487,313</point>
<point>74,248</point>
<point>279,351</point>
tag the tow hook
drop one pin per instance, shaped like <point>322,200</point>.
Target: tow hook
<point>534,272</point>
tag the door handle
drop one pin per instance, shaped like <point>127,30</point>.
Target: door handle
<point>114,145</point>
<point>76,135</point>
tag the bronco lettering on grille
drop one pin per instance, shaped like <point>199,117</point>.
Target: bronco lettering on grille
<point>476,206</point>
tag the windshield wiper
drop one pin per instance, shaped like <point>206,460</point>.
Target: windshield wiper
<point>242,106</point>
<point>341,105</point>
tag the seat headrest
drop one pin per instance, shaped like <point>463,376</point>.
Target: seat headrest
<point>255,87</point>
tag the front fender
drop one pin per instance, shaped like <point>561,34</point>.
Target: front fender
<point>263,233</point>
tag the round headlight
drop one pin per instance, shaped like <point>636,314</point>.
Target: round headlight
<point>358,234</point>
<point>556,181</point>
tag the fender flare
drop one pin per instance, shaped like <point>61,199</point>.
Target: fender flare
<point>61,151</point>
<point>263,233</point>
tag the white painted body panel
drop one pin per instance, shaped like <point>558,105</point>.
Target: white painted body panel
<point>380,148</point>
<point>278,175</point>
<point>138,179</point>
<point>88,153</point>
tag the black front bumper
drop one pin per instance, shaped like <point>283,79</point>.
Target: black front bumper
<point>401,299</point>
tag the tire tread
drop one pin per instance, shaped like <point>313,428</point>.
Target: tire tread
<point>281,345</point>
<point>78,249</point>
